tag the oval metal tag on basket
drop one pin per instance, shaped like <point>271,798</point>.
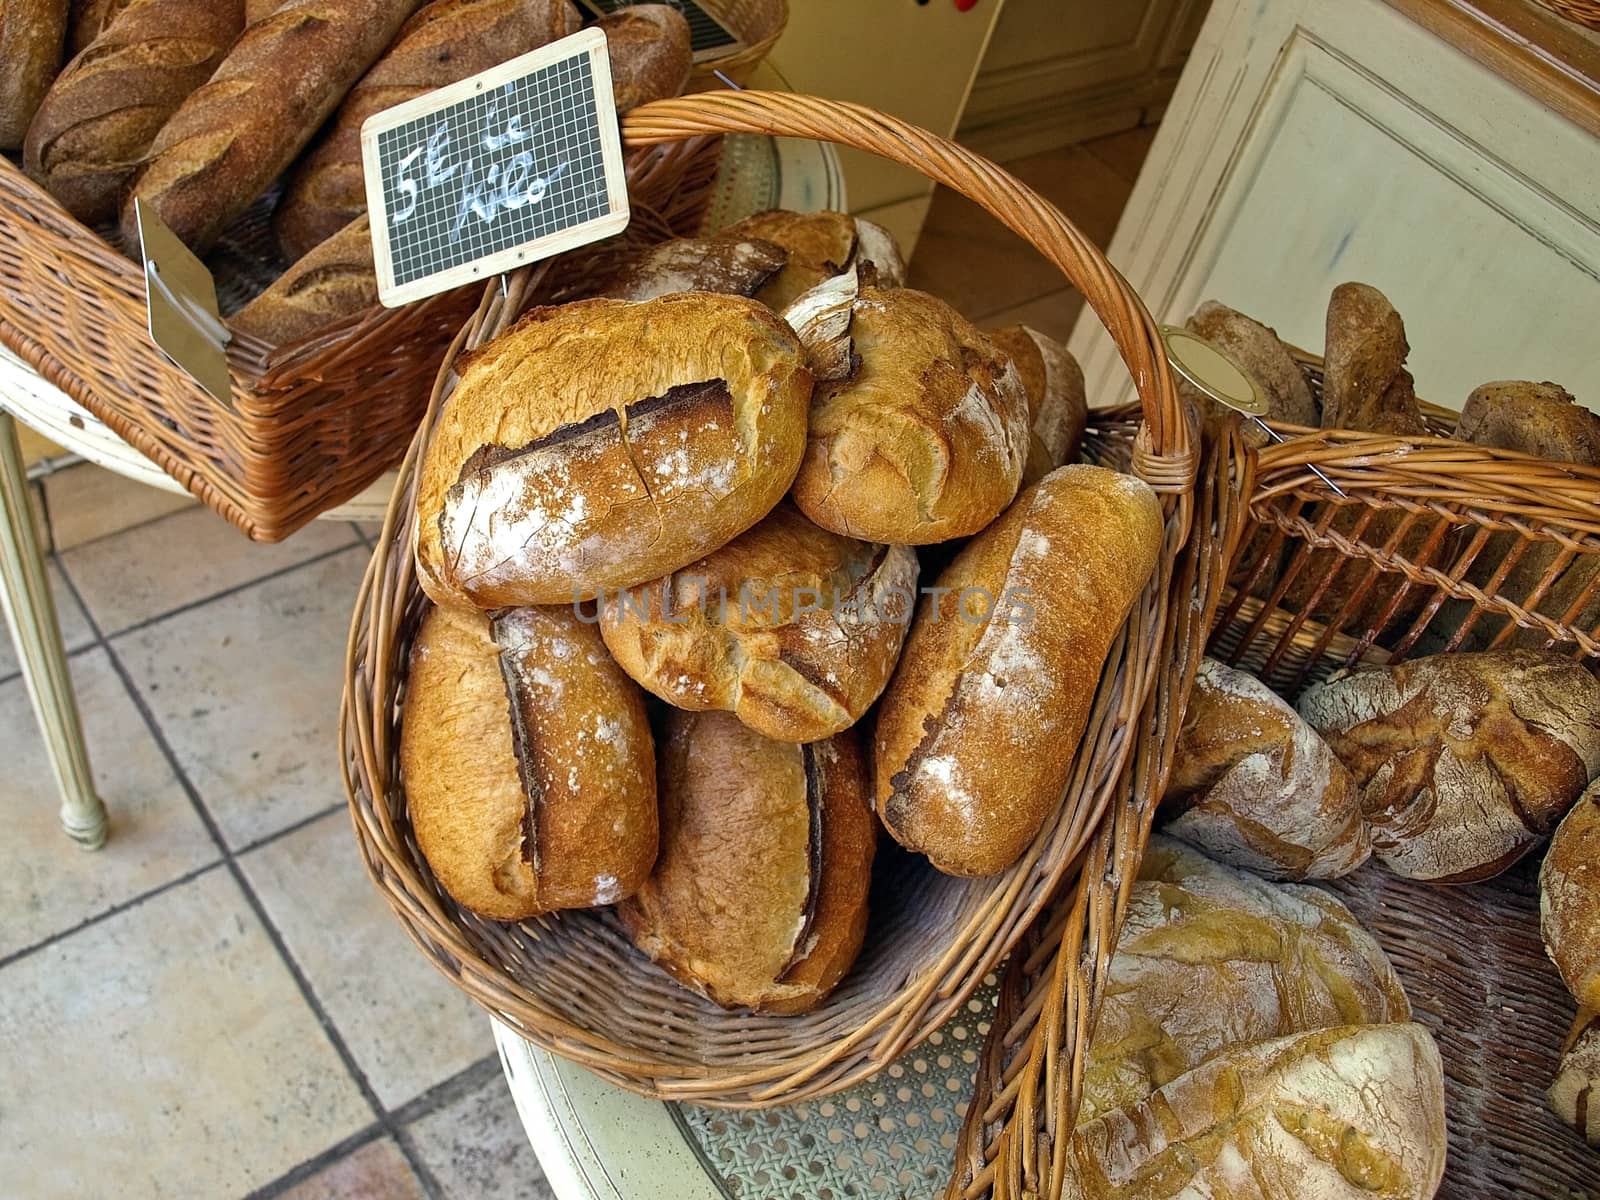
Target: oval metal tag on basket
<point>502,169</point>
<point>1212,371</point>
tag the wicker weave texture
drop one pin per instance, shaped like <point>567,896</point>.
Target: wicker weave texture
<point>572,983</point>
<point>759,24</point>
<point>1585,12</point>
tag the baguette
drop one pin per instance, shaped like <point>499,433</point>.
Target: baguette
<point>106,108</point>
<point>88,20</point>
<point>229,140</point>
<point>332,282</point>
<point>32,34</point>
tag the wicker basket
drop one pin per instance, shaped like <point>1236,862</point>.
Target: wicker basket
<point>310,424</point>
<point>1416,516</point>
<point>573,983</point>
<point>759,24</point>
<point>1585,12</point>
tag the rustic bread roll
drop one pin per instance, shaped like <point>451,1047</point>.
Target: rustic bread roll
<point>919,423</point>
<point>820,246</point>
<point>105,109</point>
<point>332,282</point>
<point>230,139</point>
<point>444,42</point>
<point>1256,350</point>
<point>1465,761</point>
<point>1569,899</point>
<point>31,36</point>
<point>759,898</point>
<point>601,444</point>
<point>733,266</point>
<point>977,732</point>
<point>1209,959</point>
<point>88,19</point>
<point>528,765</point>
<point>1364,381</point>
<point>1575,1094</point>
<point>1255,786</point>
<point>791,628</point>
<point>1058,405</point>
<point>648,47</point>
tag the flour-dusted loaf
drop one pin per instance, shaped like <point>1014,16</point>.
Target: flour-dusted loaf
<point>1465,761</point>
<point>1255,349</point>
<point>978,730</point>
<point>1575,1094</point>
<point>793,629</point>
<point>1256,787</point>
<point>820,245</point>
<point>230,139</point>
<point>759,898</point>
<point>1569,898</point>
<point>734,266</point>
<point>444,42</point>
<point>104,111</point>
<point>648,46</point>
<point>32,36</point>
<point>919,423</point>
<point>528,764</point>
<point>1058,405</point>
<point>336,280</point>
<point>602,444</point>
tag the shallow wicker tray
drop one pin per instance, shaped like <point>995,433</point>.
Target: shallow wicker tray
<point>572,983</point>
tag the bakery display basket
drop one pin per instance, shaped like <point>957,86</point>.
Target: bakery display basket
<point>758,24</point>
<point>1364,548</point>
<point>1585,12</point>
<point>573,983</point>
<point>309,424</point>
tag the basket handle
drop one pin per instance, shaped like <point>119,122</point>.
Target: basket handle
<point>1164,453</point>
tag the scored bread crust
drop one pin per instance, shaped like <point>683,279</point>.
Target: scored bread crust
<point>1058,404</point>
<point>1569,899</point>
<point>601,444</point>
<point>793,629</point>
<point>335,280</point>
<point>978,730</point>
<point>584,777</point>
<point>650,52</point>
<point>759,898</point>
<point>820,245</point>
<point>924,437</point>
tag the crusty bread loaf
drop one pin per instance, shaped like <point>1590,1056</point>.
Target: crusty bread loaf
<point>733,266</point>
<point>444,42</point>
<point>334,281</point>
<point>230,139</point>
<point>1569,899</point>
<point>649,51</point>
<point>978,730</point>
<point>1255,349</point>
<point>88,19</point>
<point>820,245</point>
<point>32,36</point>
<point>759,898</point>
<point>528,764</point>
<point>793,629</point>
<point>919,423</point>
<point>255,10</point>
<point>105,109</point>
<point>1364,381</point>
<point>1575,1094</point>
<point>1058,405</point>
<point>1465,761</point>
<point>1256,787</point>
<point>601,444</point>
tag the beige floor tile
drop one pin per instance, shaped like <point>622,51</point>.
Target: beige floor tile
<point>164,1052</point>
<point>476,1149</point>
<point>47,884</point>
<point>181,559</point>
<point>75,631</point>
<point>1124,152</point>
<point>368,977</point>
<point>377,1171</point>
<point>973,262</point>
<point>1054,314</point>
<point>1088,191</point>
<point>246,691</point>
<point>88,502</point>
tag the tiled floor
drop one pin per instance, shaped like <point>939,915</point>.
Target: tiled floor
<point>218,1004</point>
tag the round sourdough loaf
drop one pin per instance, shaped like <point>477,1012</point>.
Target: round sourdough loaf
<point>977,732</point>
<point>793,629</point>
<point>919,423</point>
<point>528,764</point>
<point>602,443</point>
<point>648,47</point>
<point>820,246</point>
<point>1058,405</point>
<point>1569,899</point>
<point>759,898</point>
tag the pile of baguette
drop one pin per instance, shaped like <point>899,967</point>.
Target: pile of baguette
<point>688,654</point>
<point>202,107</point>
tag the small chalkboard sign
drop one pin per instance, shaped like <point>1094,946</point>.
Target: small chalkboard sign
<point>708,36</point>
<point>507,167</point>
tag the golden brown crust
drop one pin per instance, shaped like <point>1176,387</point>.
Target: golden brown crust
<point>793,629</point>
<point>1575,1094</point>
<point>1569,899</point>
<point>601,444</point>
<point>732,266</point>
<point>525,722</point>
<point>336,280</point>
<point>650,54</point>
<point>88,19</point>
<point>977,732</point>
<point>32,33</point>
<point>759,896</point>
<point>1058,404</point>
<point>820,245</point>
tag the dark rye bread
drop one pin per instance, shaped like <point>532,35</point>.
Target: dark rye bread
<point>732,266</point>
<point>528,763</point>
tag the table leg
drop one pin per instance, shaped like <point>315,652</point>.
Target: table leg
<point>31,613</point>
